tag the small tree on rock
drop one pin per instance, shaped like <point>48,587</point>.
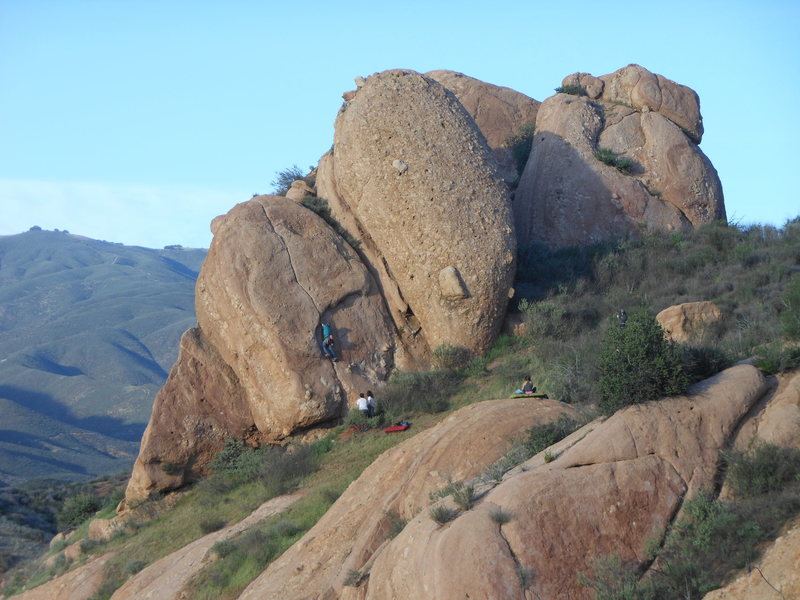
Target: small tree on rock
<point>637,364</point>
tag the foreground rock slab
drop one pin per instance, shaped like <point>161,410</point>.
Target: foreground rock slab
<point>616,485</point>
<point>396,486</point>
<point>166,578</point>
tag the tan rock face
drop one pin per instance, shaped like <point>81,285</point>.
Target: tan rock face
<point>356,528</point>
<point>689,322</point>
<point>612,486</point>
<point>82,582</point>
<point>165,579</point>
<point>566,196</point>
<point>446,207</point>
<point>498,111</point>
<point>299,190</point>
<point>253,369</point>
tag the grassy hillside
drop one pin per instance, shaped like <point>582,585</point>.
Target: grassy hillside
<point>568,299</point>
<point>88,332</point>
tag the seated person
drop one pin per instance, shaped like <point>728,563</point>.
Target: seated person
<point>527,386</point>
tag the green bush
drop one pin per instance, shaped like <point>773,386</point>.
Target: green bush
<point>520,144</point>
<point>210,525</point>
<point>574,90</point>
<point>622,163</point>
<point>441,514</point>
<point>611,579</point>
<point>419,392</point>
<point>776,357</point>
<point>638,365</point>
<point>77,509</point>
<point>547,434</point>
<point>790,310</point>
<point>284,179</point>
<point>451,358</point>
<point>701,362</point>
<point>499,516</point>
<point>765,468</point>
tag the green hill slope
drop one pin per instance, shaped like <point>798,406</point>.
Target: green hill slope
<point>88,332</point>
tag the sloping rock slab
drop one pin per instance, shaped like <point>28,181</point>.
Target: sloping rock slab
<point>619,484</point>
<point>399,481</point>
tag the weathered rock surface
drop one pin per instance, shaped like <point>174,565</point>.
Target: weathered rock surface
<point>299,190</point>
<point>166,578</point>
<point>566,196</point>
<point>446,206</point>
<point>778,419</point>
<point>253,367</point>
<point>81,582</point>
<point>357,526</point>
<point>689,322</point>
<point>611,487</point>
<point>498,111</point>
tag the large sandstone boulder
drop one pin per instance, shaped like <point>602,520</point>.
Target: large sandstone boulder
<point>415,182</point>
<point>357,527</point>
<point>567,196</point>
<point>498,111</point>
<point>689,322</point>
<point>253,368</point>
<point>611,488</point>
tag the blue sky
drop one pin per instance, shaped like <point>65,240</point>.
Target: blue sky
<point>140,121</point>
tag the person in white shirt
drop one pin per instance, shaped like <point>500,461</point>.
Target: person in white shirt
<point>362,405</point>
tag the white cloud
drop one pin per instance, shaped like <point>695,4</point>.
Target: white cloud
<point>133,214</point>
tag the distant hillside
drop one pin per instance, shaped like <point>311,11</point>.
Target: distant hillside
<point>88,332</point>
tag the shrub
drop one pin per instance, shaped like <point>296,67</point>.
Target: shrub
<point>790,310</point>
<point>766,468</point>
<point>451,358</point>
<point>622,163</point>
<point>134,566</point>
<point>547,434</point>
<point>284,179</point>
<point>76,510</point>
<point>442,514</point>
<point>499,516</point>
<point>423,392</point>
<point>396,523</point>
<point>701,362</point>
<point>210,525</point>
<point>463,496</point>
<point>638,365</point>
<point>777,358</point>
<point>611,579</point>
<point>520,144</point>
<point>352,578</point>
<point>322,446</point>
<point>574,90</point>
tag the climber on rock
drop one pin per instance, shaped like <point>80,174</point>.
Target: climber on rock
<point>327,348</point>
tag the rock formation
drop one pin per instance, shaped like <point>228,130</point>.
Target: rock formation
<point>567,196</point>
<point>412,178</point>
<point>498,111</point>
<point>689,322</point>
<point>614,486</point>
<point>253,369</point>
<point>357,527</point>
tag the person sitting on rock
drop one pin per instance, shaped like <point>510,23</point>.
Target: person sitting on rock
<point>327,348</point>
<point>362,405</point>
<point>527,386</point>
